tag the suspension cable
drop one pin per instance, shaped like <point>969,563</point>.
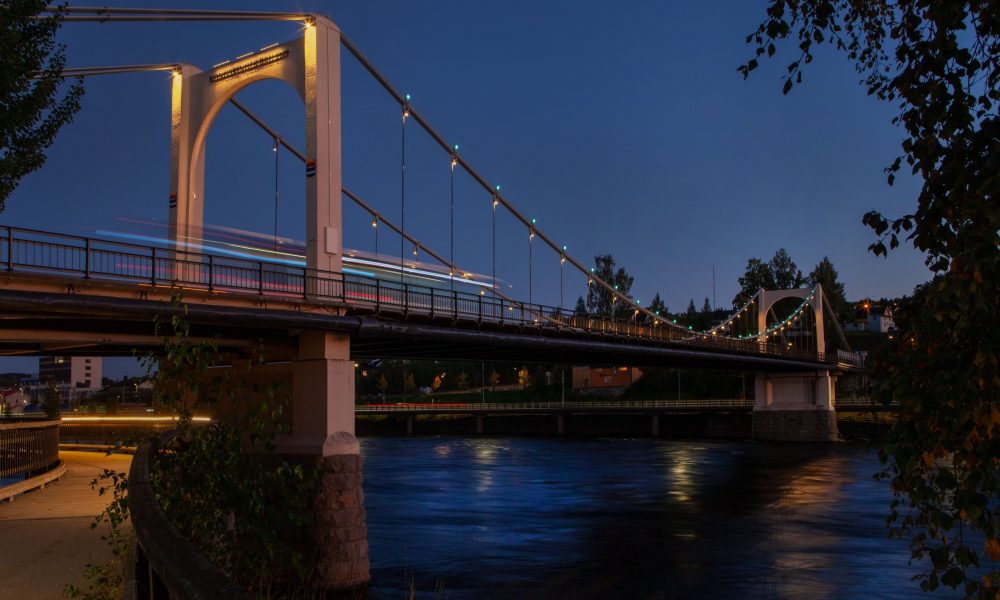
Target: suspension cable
<point>493,221</point>
<point>498,198</point>
<point>274,148</point>
<point>451,257</point>
<point>402,186</point>
<point>531,237</point>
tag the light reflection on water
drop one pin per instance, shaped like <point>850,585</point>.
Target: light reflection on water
<point>623,518</point>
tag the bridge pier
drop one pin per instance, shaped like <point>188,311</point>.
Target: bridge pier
<point>795,407</point>
<point>323,434</point>
<point>655,430</point>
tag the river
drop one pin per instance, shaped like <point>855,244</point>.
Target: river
<point>459,517</point>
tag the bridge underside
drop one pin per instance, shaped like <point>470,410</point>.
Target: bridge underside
<point>52,323</point>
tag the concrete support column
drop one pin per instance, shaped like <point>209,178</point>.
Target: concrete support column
<point>409,425</point>
<point>797,407</point>
<point>561,424</point>
<point>655,425</point>
<point>323,434</point>
<point>479,425</point>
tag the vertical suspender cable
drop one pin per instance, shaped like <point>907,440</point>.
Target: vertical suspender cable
<point>451,257</point>
<point>494,224</point>
<point>562,261</point>
<point>531,236</point>
<point>402,191</point>
<point>275,150</point>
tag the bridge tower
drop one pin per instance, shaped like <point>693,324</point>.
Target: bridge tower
<point>795,406</point>
<point>322,371</point>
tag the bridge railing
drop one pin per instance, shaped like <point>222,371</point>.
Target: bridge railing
<point>39,252</point>
<point>603,406</point>
<point>27,449</point>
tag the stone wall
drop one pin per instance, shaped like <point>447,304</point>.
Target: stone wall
<point>795,425</point>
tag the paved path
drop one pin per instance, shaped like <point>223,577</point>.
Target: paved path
<point>45,535</point>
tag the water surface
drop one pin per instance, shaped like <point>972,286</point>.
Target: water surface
<point>628,518</point>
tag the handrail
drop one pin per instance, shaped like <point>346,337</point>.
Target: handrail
<point>27,449</point>
<point>40,252</point>
<point>167,565</point>
<point>606,406</point>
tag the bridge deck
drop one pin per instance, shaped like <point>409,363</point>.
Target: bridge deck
<point>101,280</point>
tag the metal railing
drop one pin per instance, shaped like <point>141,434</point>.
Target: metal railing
<point>166,564</point>
<point>110,433</point>
<point>39,252</point>
<point>602,406</point>
<point>28,449</point>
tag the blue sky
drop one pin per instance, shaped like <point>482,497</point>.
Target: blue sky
<point>623,128</point>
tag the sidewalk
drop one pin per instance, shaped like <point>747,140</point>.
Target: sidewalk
<point>45,535</point>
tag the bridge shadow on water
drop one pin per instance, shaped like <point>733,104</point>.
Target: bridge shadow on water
<point>628,518</point>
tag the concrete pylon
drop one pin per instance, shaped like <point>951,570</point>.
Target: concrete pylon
<point>322,372</point>
<point>311,65</point>
<point>795,407</point>
<point>767,298</point>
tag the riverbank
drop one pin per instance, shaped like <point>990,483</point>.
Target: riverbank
<point>735,425</point>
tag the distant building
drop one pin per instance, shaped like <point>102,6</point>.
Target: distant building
<point>76,371</point>
<point>14,398</point>
<point>608,380</point>
<point>75,378</point>
<point>874,319</point>
<point>880,320</point>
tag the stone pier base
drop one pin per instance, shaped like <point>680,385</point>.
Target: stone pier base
<point>336,545</point>
<point>795,425</point>
<point>340,532</point>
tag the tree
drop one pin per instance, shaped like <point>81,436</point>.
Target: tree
<point>657,307</point>
<point>51,402</point>
<point>462,381</point>
<point>602,302</point>
<point>409,384</point>
<point>581,307</point>
<point>939,63</point>
<point>786,274</point>
<point>691,315</point>
<point>436,384</point>
<point>32,112</point>
<point>778,274</point>
<point>825,275</point>
<point>758,275</point>
<point>704,319</point>
<point>493,379</point>
<point>524,377</point>
<point>382,384</point>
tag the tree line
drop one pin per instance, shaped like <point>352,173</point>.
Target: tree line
<point>780,272</point>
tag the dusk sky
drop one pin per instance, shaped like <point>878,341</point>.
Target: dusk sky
<point>622,129</point>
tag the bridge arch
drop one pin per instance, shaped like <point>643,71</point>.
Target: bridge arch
<point>768,298</point>
<point>310,64</point>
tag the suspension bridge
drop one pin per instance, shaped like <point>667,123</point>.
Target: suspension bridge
<point>318,308</point>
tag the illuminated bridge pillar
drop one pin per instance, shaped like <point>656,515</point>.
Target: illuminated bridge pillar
<point>310,64</point>
<point>322,373</point>
<point>323,432</point>
<point>795,407</point>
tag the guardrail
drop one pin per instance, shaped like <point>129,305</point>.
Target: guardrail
<point>167,565</point>
<point>39,252</point>
<point>551,406</point>
<point>28,449</point>
<point>110,432</point>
